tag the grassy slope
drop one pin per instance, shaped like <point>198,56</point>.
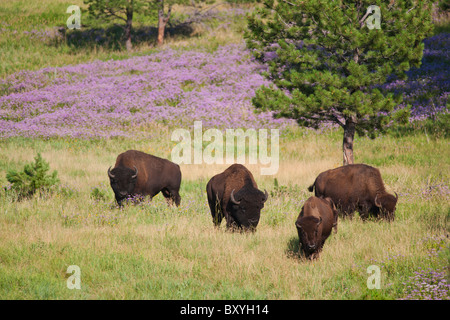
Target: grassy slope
<point>20,50</point>
<point>152,251</point>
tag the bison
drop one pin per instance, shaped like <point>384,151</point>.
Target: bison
<point>356,187</point>
<point>140,174</point>
<point>234,194</point>
<point>314,223</point>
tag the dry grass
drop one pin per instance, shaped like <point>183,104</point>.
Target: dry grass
<point>151,251</point>
<point>157,252</point>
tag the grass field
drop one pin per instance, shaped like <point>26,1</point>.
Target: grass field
<point>152,251</point>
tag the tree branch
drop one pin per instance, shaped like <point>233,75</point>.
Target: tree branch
<point>113,13</point>
<point>290,3</point>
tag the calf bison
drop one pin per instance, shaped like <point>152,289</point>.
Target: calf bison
<point>140,174</point>
<point>314,223</point>
<point>234,194</point>
<point>356,187</point>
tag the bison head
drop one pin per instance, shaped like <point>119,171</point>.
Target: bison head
<point>387,204</point>
<point>123,181</point>
<point>246,207</point>
<point>309,233</point>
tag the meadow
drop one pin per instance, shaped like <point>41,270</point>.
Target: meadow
<point>80,109</point>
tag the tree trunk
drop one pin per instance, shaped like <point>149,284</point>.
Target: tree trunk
<point>349,135</point>
<point>128,27</point>
<point>162,21</point>
<point>161,29</point>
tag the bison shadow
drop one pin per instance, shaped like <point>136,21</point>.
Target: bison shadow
<point>293,249</point>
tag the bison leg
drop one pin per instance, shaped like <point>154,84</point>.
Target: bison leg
<point>175,197</point>
<point>217,218</point>
<point>380,213</point>
<point>216,212</point>
<point>166,195</point>
<point>364,214</point>
<point>231,224</point>
<point>389,216</point>
<point>172,196</point>
<point>335,222</point>
<point>120,201</point>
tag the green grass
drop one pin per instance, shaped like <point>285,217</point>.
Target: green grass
<point>20,50</point>
<point>152,251</point>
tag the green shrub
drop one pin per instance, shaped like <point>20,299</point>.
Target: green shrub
<point>99,194</point>
<point>33,178</point>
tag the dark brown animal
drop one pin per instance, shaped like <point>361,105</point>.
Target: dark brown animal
<point>138,174</point>
<point>314,223</point>
<point>356,187</point>
<point>234,194</point>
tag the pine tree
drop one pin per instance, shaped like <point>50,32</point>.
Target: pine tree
<point>327,60</point>
<point>32,178</point>
<point>125,9</point>
<point>118,9</point>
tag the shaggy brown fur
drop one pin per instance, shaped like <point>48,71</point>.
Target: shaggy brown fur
<point>154,175</point>
<point>356,187</point>
<point>314,223</point>
<point>236,183</point>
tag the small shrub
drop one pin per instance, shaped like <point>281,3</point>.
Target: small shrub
<point>66,191</point>
<point>32,178</point>
<point>285,191</point>
<point>99,194</point>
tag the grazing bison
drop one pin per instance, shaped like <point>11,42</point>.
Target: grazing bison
<point>314,223</point>
<point>356,187</point>
<point>234,194</point>
<point>140,174</point>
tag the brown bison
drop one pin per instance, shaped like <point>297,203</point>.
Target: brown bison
<point>140,174</point>
<point>314,223</point>
<point>234,194</point>
<point>356,187</point>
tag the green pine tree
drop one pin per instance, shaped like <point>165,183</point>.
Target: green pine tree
<point>118,9</point>
<point>33,178</point>
<point>326,59</point>
<point>124,10</point>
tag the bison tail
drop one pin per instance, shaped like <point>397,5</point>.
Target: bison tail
<point>311,188</point>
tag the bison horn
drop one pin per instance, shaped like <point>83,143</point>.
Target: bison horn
<point>110,174</point>
<point>233,199</point>
<point>320,221</point>
<point>136,172</point>
<point>396,196</point>
<point>376,202</point>
<point>266,196</point>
